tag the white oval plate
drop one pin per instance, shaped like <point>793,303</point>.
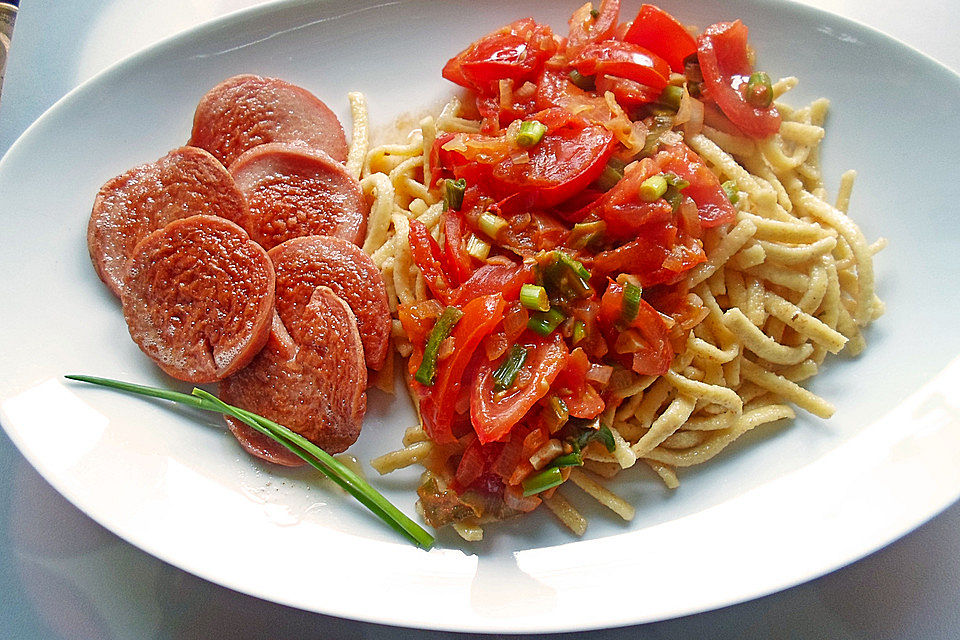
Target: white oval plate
<point>784,506</point>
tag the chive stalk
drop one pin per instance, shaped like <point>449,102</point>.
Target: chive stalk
<point>584,234</point>
<point>733,193</point>
<point>534,297</point>
<point>546,322</point>
<point>477,248</point>
<point>338,472</point>
<point>653,188</point>
<point>564,276</point>
<point>491,224</point>
<point>631,302</point>
<point>670,97</point>
<point>539,482</point>
<point>427,371</point>
<point>453,193</point>
<point>759,90</point>
<point>506,373</point>
<point>587,83</point>
<point>579,332</point>
<point>531,132</point>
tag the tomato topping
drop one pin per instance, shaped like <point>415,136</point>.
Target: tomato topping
<point>660,254</point>
<point>654,355</point>
<point>713,205</point>
<point>458,260</point>
<point>581,398</point>
<point>438,402</point>
<point>623,210</point>
<point>624,60</point>
<point>495,278</point>
<point>660,32</point>
<point>495,413</point>
<point>722,52</point>
<point>516,52</point>
<point>587,26</point>
<point>571,155</point>
<point>426,255</point>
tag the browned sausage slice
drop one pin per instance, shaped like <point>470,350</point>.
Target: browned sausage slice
<point>302,264</point>
<point>319,391</point>
<point>247,110</point>
<point>198,298</point>
<point>187,181</point>
<point>293,193</point>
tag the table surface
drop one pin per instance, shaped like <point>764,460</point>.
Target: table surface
<point>64,576</point>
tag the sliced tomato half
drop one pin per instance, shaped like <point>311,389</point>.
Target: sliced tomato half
<point>661,33</point>
<point>653,357</point>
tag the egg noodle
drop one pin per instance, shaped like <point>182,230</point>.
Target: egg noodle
<point>791,280</point>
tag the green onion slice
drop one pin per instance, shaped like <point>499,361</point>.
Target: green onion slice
<point>539,482</point>
<point>579,331</point>
<point>653,188</point>
<point>584,234</point>
<point>427,371</point>
<point>506,373</point>
<point>759,90</point>
<point>631,302</point>
<point>338,472</point>
<point>531,132</point>
<point>670,97</point>
<point>453,193</point>
<point>534,297</point>
<point>564,276</point>
<point>587,83</point>
<point>491,224</point>
<point>733,193</point>
<point>545,323</point>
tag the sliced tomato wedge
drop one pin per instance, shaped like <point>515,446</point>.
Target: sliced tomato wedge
<point>722,52</point>
<point>713,205</point>
<point>516,52</point>
<point>661,33</point>
<point>459,265</point>
<point>659,254</point>
<point>581,398</point>
<point>437,403</point>
<point>571,155</point>
<point>623,210</point>
<point>488,279</point>
<point>587,26</point>
<point>493,414</point>
<point>624,60</point>
<point>426,255</point>
<point>654,357</point>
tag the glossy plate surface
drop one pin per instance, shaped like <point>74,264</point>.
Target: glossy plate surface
<point>783,506</point>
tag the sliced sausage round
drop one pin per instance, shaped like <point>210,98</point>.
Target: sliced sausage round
<point>302,264</point>
<point>187,181</point>
<point>247,110</point>
<point>318,390</point>
<point>198,298</point>
<point>292,192</point>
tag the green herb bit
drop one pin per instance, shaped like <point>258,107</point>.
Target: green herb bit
<point>759,90</point>
<point>612,174</point>
<point>539,482</point>
<point>579,332</point>
<point>427,371</point>
<point>584,234</point>
<point>594,13</point>
<point>670,97</point>
<point>555,414</point>
<point>587,83</point>
<point>453,193</point>
<point>653,188</point>
<point>546,322</point>
<point>338,472</point>
<point>676,181</point>
<point>565,277</point>
<point>631,302</point>
<point>531,132</point>
<point>506,373</point>
<point>491,224</point>
<point>534,297</point>
<point>477,248</point>
<point>733,193</point>
<point>594,431</point>
<point>660,125</point>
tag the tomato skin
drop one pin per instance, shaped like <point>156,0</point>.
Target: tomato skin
<point>624,60</point>
<point>661,33</point>
<point>713,206</point>
<point>722,52</point>
<point>426,254</point>
<point>571,155</point>
<point>645,257</point>
<point>458,260</point>
<point>515,52</point>
<point>623,210</point>
<point>494,415</point>
<point>584,28</point>
<point>488,279</point>
<point>655,357</point>
<point>437,403</point>
<point>581,398</point>
<point>629,93</point>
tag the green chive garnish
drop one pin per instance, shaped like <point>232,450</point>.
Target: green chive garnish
<point>670,97</point>
<point>733,193</point>
<point>546,479</point>
<point>759,90</point>
<point>631,302</point>
<point>534,297</point>
<point>491,224</point>
<point>531,132</point>
<point>506,373</point>
<point>427,371</point>
<point>453,193</point>
<point>584,234</point>
<point>545,323</point>
<point>564,276</point>
<point>579,332</point>
<point>342,475</point>
<point>587,83</point>
<point>653,188</point>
